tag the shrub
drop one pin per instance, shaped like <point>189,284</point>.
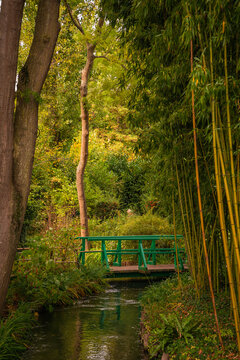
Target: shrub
<point>106,209</point>
<point>147,224</point>
<point>43,276</point>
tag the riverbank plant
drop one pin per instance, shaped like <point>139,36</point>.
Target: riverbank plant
<point>42,281</point>
<point>177,322</point>
<point>44,277</point>
<point>15,332</point>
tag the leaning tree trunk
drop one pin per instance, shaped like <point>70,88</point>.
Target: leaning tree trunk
<point>10,26</point>
<point>31,80</point>
<point>84,141</point>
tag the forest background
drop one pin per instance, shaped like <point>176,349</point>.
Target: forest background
<point>164,111</point>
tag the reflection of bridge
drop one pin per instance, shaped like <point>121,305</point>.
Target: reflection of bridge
<point>153,260</point>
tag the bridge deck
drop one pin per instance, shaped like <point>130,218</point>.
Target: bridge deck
<point>151,268</point>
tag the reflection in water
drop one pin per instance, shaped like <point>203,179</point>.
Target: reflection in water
<point>103,327</point>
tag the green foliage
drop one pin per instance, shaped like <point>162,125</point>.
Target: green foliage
<point>161,338</point>
<point>172,327</point>
<point>105,209</point>
<point>148,224</point>
<point>156,37</point>
<point>43,277</point>
<point>108,227</point>
<point>14,332</point>
<point>131,177</point>
<point>182,325</point>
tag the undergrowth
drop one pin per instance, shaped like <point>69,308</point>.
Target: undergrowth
<point>45,273</point>
<point>175,321</point>
<point>14,331</point>
<point>39,283</point>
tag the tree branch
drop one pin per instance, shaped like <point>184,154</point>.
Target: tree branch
<point>101,57</point>
<point>100,22</point>
<point>75,21</point>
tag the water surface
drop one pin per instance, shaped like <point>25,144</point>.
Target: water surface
<point>102,327</point>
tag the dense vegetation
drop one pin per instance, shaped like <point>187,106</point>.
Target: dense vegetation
<point>163,107</point>
<point>176,322</point>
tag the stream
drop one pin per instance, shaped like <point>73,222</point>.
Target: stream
<point>101,327</point>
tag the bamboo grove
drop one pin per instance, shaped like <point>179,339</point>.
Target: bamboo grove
<point>185,108</point>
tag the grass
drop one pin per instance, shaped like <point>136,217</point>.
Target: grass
<point>178,323</point>
<point>14,332</point>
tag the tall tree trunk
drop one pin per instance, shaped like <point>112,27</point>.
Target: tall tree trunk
<point>10,26</point>
<point>84,141</point>
<point>31,80</point>
<point>85,120</point>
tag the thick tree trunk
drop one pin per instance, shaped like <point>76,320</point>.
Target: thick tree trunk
<point>84,141</point>
<point>10,26</point>
<point>31,79</point>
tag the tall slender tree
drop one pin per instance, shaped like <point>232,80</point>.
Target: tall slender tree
<point>90,57</point>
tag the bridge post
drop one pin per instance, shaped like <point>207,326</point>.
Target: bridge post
<point>141,257</point>
<point>82,253</point>
<point>118,256</point>
<point>104,257</point>
<point>152,253</point>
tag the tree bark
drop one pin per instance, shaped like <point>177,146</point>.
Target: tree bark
<point>84,140</point>
<point>165,356</point>
<point>31,80</point>
<point>10,25</point>
<point>24,133</point>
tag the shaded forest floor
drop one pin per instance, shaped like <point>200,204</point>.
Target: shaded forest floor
<point>177,322</point>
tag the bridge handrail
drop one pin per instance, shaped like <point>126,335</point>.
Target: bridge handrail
<point>130,237</point>
<point>140,251</point>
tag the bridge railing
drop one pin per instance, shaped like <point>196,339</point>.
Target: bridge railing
<point>146,255</point>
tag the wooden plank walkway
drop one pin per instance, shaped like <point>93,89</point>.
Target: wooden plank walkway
<point>151,268</point>
<point>133,273</point>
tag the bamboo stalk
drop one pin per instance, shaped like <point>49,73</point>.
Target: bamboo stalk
<point>208,173</point>
<point>230,210</point>
<point>232,222</point>
<point>224,235</point>
<point>234,189</point>
<point>194,243</point>
<point>214,266</point>
<point>238,177</point>
<point>175,242</point>
<point>200,208</point>
<point>221,208</point>
<point>186,237</point>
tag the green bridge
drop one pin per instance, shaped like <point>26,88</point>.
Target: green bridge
<point>155,255</point>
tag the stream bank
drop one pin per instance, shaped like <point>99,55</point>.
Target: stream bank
<point>177,322</point>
